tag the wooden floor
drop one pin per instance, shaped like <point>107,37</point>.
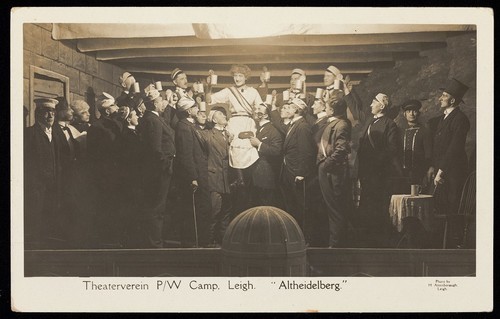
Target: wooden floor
<point>193,262</point>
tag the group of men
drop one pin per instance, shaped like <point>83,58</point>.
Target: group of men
<point>107,183</point>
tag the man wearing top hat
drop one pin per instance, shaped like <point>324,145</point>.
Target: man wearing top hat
<point>448,169</point>
<point>215,142</point>
<point>127,81</point>
<point>268,142</point>
<point>41,176</point>
<point>298,161</point>
<point>158,140</point>
<point>378,160</point>
<point>417,144</point>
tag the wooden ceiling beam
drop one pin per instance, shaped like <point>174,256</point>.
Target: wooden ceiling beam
<point>263,59</point>
<point>224,72</point>
<point>98,44</point>
<point>275,86</point>
<point>277,50</point>
<point>272,51</point>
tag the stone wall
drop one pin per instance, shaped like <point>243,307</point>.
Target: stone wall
<point>420,78</point>
<point>88,77</point>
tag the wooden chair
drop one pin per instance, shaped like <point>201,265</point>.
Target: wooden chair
<point>466,209</point>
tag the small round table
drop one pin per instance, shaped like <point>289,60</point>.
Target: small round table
<point>419,208</point>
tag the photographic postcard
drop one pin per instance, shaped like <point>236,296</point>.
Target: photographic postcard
<point>406,53</point>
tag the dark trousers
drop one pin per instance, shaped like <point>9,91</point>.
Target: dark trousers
<point>221,208</point>
<point>294,195</point>
<point>336,194</point>
<point>374,209</point>
<point>189,210</point>
<point>156,187</point>
<point>39,216</point>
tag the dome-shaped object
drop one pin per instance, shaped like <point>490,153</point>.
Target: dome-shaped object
<point>264,241</point>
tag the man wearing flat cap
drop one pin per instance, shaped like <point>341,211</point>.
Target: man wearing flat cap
<point>417,144</point>
<point>158,140</point>
<point>378,160</point>
<point>127,81</point>
<point>298,161</point>
<point>216,142</point>
<point>448,170</point>
<point>41,176</point>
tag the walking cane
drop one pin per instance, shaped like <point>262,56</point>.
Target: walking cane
<point>195,223</point>
<point>304,204</point>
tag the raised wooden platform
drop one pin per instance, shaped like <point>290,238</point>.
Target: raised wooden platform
<point>193,262</point>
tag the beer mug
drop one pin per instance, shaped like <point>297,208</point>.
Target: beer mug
<point>415,190</point>
<point>286,95</point>
<point>298,84</point>
<point>319,93</point>
<point>336,84</point>
<point>269,99</point>
<point>158,86</point>
<point>213,79</point>
<point>267,76</point>
<point>137,89</point>
<point>203,106</point>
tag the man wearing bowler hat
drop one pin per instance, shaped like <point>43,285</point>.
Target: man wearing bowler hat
<point>417,144</point>
<point>41,176</point>
<point>448,170</point>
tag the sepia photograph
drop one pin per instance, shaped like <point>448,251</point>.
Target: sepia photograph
<point>274,163</point>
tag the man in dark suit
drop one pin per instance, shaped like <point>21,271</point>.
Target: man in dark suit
<point>333,171</point>
<point>216,142</point>
<point>159,152</point>
<point>102,157</point>
<point>191,174</point>
<point>379,149</point>
<point>298,161</point>
<point>449,160</point>
<point>268,142</point>
<point>130,165</point>
<point>69,152</point>
<point>41,176</point>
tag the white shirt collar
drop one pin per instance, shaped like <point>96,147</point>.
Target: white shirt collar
<point>295,119</point>
<point>321,115</point>
<point>331,119</point>
<point>379,115</point>
<point>132,127</point>
<point>126,92</point>
<point>263,122</point>
<point>190,119</point>
<point>448,110</point>
<point>157,114</point>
